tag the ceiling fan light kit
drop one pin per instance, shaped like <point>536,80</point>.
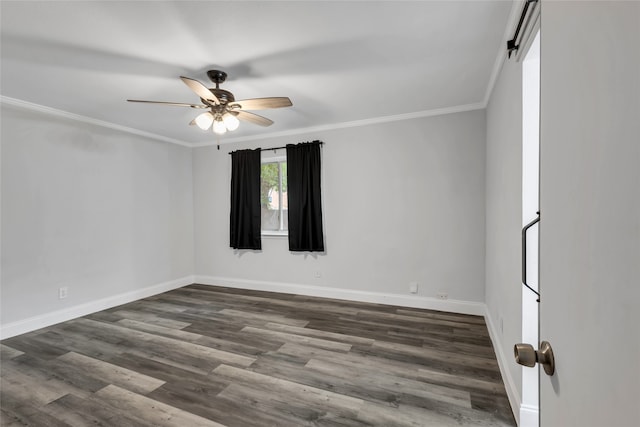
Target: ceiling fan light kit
<point>224,112</point>
<point>230,121</point>
<point>219,126</point>
<point>204,120</point>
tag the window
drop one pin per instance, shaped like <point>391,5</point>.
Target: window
<point>273,196</point>
<point>261,193</point>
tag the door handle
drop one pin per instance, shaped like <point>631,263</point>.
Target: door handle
<point>526,355</point>
<point>524,254</point>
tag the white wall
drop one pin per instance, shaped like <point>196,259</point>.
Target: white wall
<point>99,211</point>
<point>504,212</point>
<point>403,201</point>
<point>590,205</point>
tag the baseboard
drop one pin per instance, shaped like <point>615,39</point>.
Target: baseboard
<point>503,362</point>
<point>412,301</point>
<point>33,323</point>
<point>529,416</point>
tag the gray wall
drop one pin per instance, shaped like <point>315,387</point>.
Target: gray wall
<point>403,201</point>
<point>504,214</point>
<point>97,210</point>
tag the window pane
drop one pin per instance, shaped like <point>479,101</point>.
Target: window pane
<point>284,177</point>
<point>273,198</point>
<point>269,199</point>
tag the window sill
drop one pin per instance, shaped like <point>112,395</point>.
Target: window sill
<point>279,234</point>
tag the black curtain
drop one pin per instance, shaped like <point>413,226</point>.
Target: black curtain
<point>304,198</point>
<point>245,200</point>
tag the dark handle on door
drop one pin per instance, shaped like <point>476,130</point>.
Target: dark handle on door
<point>524,253</point>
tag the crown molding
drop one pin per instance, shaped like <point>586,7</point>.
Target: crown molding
<point>354,123</point>
<point>76,117</point>
<point>328,127</point>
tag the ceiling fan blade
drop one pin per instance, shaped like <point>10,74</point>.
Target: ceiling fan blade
<point>262,103</point>
<point>253,118</point>
<point>176,104</point>
<point>201,90</point>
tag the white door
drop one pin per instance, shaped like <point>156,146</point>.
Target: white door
<point>590,212</point>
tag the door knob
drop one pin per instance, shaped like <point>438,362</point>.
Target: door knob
<point>526,355</point>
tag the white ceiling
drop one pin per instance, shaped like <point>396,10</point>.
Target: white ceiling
<point>339,61</point>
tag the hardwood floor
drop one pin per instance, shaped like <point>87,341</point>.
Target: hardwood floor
<point>212,356</point>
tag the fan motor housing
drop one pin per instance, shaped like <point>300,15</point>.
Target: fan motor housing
<point>224,96</point>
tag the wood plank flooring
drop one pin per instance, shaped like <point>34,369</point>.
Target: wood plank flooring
<point>213,356</point>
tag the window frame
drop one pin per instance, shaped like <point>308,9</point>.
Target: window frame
<point>279,159</point>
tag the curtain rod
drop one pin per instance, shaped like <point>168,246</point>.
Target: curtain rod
<point>281,148</point>
<point>511,44</point>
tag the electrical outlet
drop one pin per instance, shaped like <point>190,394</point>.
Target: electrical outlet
<point>413,287</point>
<point>317,274</point>
<point>443,295</point>
<point>63,292</point>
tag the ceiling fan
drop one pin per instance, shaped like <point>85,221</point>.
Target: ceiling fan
<point>223,111</point>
